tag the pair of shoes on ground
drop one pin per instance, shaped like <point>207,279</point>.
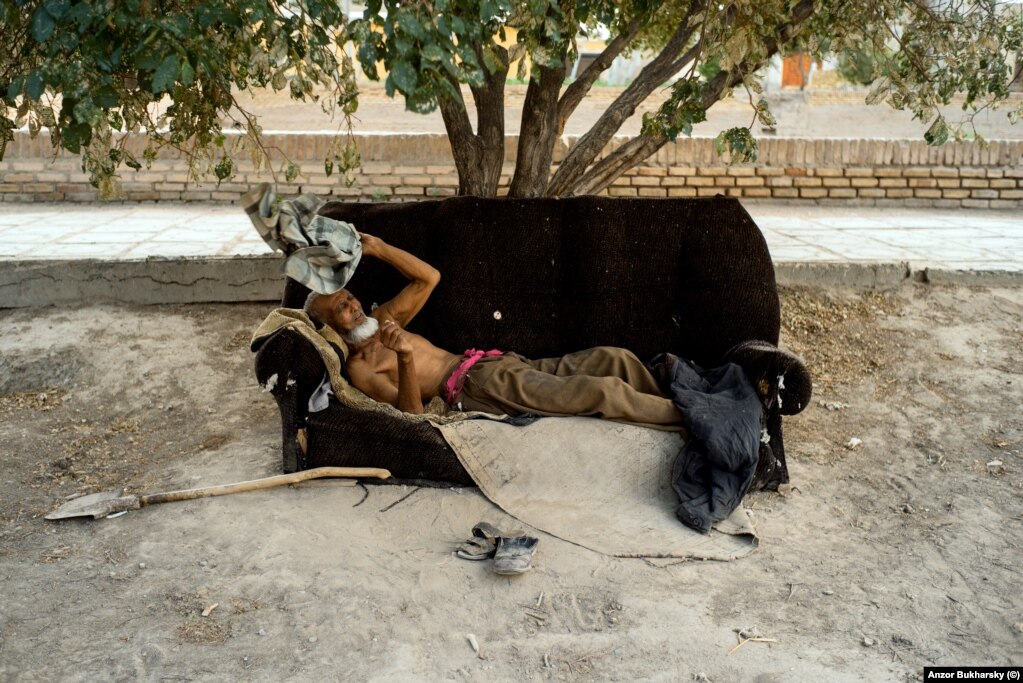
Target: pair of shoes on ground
<point>512,551</point>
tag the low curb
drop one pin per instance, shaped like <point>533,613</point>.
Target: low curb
<point>887,276</point>
<point>154,280</point>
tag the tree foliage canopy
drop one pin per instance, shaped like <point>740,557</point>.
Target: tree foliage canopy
<point>88,69</point>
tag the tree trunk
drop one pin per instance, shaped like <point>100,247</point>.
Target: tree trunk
<point>538,133</point>
<point>489,101</point>
<point>465,148</point>
<point>479,156</point>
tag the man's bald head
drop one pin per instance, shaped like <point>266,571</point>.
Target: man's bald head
<point>314,307</point>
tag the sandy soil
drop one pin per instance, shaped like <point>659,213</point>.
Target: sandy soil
<point>880,559</point>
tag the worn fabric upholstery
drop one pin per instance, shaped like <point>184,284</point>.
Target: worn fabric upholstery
<point>545,277</point>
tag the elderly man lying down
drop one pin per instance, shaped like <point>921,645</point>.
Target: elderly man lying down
<point>404,369</point>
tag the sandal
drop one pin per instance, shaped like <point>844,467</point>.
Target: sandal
<point>514,554</point>
<point>483,543</point>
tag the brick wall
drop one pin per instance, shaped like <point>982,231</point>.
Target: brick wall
<point>402,167</point>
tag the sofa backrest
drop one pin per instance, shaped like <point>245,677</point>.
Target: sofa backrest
<point>544,277</point>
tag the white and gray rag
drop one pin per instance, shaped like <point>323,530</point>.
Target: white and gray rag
<point>322,253</point>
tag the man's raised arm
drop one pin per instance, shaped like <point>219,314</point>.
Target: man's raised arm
<point>412,298</point>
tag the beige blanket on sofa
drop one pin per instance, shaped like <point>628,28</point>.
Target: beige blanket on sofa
<point>598,484</point>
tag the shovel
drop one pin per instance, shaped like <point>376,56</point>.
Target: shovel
<point>98,505</point>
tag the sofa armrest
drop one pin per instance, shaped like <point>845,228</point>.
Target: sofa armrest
<point>781,378</point>
<point>290,368</point>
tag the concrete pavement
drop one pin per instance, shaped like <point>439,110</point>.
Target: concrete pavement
<point>179,253</point>
<point>982,240</point>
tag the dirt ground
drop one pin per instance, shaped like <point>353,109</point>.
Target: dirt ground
<point>902,551</point>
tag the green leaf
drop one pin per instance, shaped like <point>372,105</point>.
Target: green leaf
<point>34,86</point>
<point>224,168</point>
<point>148,60</point>
<point>57,8</point>
<point>106,97</point>
<point>81,14</point>
<point>75,136</point>
<point>405,77</point>
<point>738,143</point>
<point>409,24</point>
<point>491,60</point>
<point>421,102</point>
<point>433,53</point>
<point>166,73</point>
<point>709,69</point>
<point>43,25</point>
<point>488,10</point>
<point>187,73</point>
<point>368,59</point>
<point>404,45</point>
<point>937,134</point>
<point>14,89</point>
<point>328,167</point>
<point>453,94</point>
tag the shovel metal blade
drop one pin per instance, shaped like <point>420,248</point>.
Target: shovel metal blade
<point>95,505</point>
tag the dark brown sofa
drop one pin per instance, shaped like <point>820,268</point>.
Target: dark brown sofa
<point>544,277</point>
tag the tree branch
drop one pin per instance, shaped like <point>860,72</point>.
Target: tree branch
<point>580,87</point>
<point>590,145</point>
<point>610,168</point>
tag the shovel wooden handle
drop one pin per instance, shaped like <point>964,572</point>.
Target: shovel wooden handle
<point>267,483</point>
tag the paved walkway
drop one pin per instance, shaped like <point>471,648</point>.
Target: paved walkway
<point>960,239</point>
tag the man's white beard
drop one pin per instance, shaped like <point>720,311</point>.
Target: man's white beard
<point>362,332</point>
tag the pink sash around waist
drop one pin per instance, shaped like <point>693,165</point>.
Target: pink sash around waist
<point>454,384</point>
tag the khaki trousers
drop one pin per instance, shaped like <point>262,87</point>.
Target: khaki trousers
<point>605,382</point>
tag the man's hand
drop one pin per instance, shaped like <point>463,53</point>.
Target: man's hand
<point>371,245</point>
<point>395,339</point>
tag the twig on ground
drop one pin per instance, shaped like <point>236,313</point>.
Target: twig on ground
<point>365,495</point>
<point>930,391</point>
<point>663,566</point>
<point>752,640</point>
<point>540,616</point>
<point>407,495</point>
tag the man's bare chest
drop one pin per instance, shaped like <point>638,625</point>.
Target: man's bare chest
<point>379,359</point>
